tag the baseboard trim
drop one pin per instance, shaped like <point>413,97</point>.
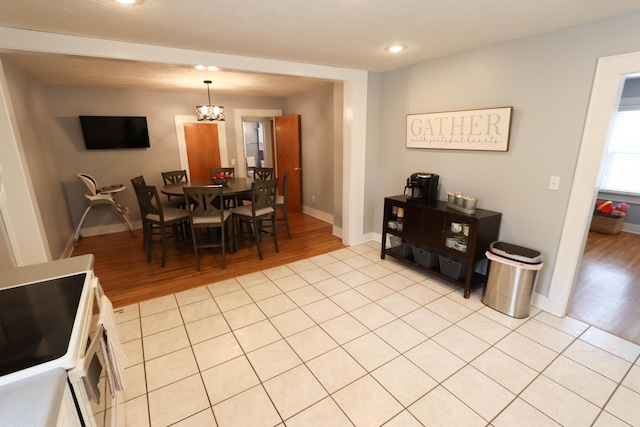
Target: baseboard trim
<point>323,216</point>
<point>100,230</point>
<point>631,228</point>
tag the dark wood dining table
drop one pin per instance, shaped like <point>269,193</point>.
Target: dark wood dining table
<point>233,187</point>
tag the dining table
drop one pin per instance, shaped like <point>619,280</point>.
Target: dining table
<point>232,188</point>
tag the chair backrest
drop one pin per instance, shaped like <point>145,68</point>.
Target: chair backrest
<point>174,177</point>
<point>150,205</point>
<point>137,182</point>
<point>263,195</point>
<point>89,182</point>
<point>263,173</point>
<point>204,203</point>
<point>230,171</point>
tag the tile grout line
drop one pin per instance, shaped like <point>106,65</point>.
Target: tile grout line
<point>403,354</point>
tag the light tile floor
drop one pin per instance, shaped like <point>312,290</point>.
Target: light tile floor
<point>346,339</point>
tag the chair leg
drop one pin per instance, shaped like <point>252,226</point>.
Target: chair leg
<point>149,242</point>
<point>275,231</point>
<point>222,233</point>
<point>256,233</point>
<point>144,236</point>
<point>163,242</point>
<point>194,237</point>
<point>286,222</point>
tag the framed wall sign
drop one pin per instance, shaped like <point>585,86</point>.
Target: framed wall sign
<point>485,130</point>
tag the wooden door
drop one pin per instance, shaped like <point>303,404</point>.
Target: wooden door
<point>288,158</point>
<point>203,149</point>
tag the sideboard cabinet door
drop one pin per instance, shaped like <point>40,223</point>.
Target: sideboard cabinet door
<point>424,225</point>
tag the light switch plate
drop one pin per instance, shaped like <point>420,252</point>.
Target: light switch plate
<point>554,183</point>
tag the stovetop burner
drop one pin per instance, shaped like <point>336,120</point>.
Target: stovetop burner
<point>36,321</point>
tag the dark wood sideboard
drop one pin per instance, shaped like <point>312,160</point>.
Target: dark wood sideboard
<point>426,239</point>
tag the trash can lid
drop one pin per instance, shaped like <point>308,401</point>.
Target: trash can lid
<point>516,253</point>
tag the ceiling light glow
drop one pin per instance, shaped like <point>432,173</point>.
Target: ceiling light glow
<point>395,48</point>
<point>210,68</point>
<point>129,1</point>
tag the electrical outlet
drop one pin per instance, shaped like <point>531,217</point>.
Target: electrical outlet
<point>233,162</point>
<point>313,199</point>
<point>554,183</point>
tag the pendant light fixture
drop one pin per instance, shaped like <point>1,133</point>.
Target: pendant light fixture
<point>210,112</point>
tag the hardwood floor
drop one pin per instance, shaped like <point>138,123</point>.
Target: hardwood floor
<point>127,278</point>
<point>607,294</point>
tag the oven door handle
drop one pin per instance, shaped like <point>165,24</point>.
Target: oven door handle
<point>82,367</point>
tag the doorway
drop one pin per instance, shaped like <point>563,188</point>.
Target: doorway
<point>609,79</point>
<point>258,144</point>
<point>608,282</point>
<point>276,142</point>
<point>240,116</point>
<point>180,121</point>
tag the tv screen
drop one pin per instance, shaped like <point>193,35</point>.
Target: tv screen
<point>108,132</point>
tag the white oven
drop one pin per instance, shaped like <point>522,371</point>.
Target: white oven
<point>49,316</point>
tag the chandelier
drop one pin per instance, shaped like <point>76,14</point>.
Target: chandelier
<point>210,112</point>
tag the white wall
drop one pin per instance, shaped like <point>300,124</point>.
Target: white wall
<point>34,167</point>
<point>317,128</point>
<point>547,79</point>
<point>377,168</point>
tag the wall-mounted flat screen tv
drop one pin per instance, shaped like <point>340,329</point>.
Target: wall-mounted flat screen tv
<point>110,132</point>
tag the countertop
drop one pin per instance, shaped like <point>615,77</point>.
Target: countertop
<point>33,402</point>
<point>45,270</point>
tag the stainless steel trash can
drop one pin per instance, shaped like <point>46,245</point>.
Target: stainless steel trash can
<point>512,276</point>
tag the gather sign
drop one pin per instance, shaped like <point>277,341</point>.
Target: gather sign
<point>486,129</point>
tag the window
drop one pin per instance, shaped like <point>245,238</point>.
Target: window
<point>622,164</point>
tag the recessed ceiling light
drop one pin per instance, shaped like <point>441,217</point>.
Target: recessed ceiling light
<point>395,48</point>
<point>210,68</point>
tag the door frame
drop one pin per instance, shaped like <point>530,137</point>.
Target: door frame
<point>238,116</point>
<point>182,143</point>
<point>355,112</point>
<point>608,83</point>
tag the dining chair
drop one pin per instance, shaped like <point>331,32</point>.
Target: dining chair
<point>204,214</point>
<point>100,197</point>
<point>174,177</point>
<point>137,181</point>
<point>262,209</point>
<point>156,218</point>
<point>281,203</point>
<point>263,173</point>
<point>258,174</point>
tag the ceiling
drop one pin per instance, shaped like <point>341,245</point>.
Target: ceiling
<point>342,33</point>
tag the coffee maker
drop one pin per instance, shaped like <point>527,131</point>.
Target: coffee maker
<point>422,187</point>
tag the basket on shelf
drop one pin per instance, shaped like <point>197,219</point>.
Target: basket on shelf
<point>607,224</point>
